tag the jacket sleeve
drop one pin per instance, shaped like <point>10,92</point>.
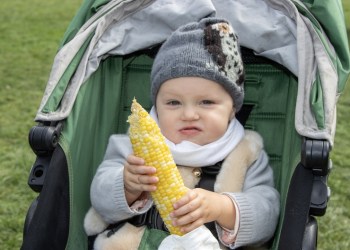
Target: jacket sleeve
<point>258,204</point>
<point>107,188</point>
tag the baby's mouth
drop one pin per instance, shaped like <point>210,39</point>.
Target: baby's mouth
<point>190,130</point>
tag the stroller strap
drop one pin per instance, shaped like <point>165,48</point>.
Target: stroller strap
<point>297,209</point>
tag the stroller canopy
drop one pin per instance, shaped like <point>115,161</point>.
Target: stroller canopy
<point>287,31</point>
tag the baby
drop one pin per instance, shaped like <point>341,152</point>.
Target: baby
<point>197,87</point>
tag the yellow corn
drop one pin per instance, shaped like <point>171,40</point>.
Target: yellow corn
<point>148,143</point>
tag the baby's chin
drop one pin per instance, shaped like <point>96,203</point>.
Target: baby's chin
<point>197,141</point>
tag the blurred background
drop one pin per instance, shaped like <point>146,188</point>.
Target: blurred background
<point>30,35</point>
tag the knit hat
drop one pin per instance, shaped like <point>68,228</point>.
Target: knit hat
<point>208,49</point>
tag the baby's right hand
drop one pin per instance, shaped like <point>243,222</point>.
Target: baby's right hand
<point>138,178</point>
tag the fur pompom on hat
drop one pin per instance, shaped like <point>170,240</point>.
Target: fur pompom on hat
<point>208,49</point>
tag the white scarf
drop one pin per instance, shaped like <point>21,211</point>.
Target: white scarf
<point>187,153</point>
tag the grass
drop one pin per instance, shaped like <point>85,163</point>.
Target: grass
<point>334,227</point>
<point>30,34</point>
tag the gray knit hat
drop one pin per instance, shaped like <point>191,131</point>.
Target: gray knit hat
<point>208,49</point>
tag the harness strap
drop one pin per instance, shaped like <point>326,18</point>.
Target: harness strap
<point>208,176</point>
<point>207,181</point>
<point>151,219</point>
<point>297,209</point>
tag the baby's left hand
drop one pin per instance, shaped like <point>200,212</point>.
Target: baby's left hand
<point>197,207</point>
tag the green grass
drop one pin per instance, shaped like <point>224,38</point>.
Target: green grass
<point>334,227</point>
<point>30,35</point>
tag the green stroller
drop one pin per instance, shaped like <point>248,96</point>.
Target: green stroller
<point>297,62</point>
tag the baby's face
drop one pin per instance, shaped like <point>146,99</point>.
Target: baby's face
<point>193,109</point>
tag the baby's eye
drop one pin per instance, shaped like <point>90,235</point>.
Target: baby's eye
<point>207,102</point>
<point>173,103</point>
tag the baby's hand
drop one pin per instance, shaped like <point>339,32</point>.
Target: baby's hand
<point>200,206</point>
<point>194,209</point>
<point>138,178</point>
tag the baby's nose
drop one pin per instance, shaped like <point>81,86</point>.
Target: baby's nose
<point>190,113</point>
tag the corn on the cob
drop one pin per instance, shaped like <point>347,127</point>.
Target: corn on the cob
<point>149,144</point>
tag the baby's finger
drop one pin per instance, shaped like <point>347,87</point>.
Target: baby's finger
<point>134,160</point>
<point>192,226</point>
<point>191,195</point>
<point>140,183</point>
<point>142,170</point>
<point>147,179</point>
<point>189,221</point>
<point>145,170</point>
<point>147,188</point>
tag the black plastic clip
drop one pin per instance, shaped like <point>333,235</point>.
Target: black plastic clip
<point>315,156</point>
<point>43,139</point>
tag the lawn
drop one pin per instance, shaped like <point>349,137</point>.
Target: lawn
<point>30,35</point>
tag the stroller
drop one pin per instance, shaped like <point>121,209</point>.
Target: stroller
<point>297,62</point>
